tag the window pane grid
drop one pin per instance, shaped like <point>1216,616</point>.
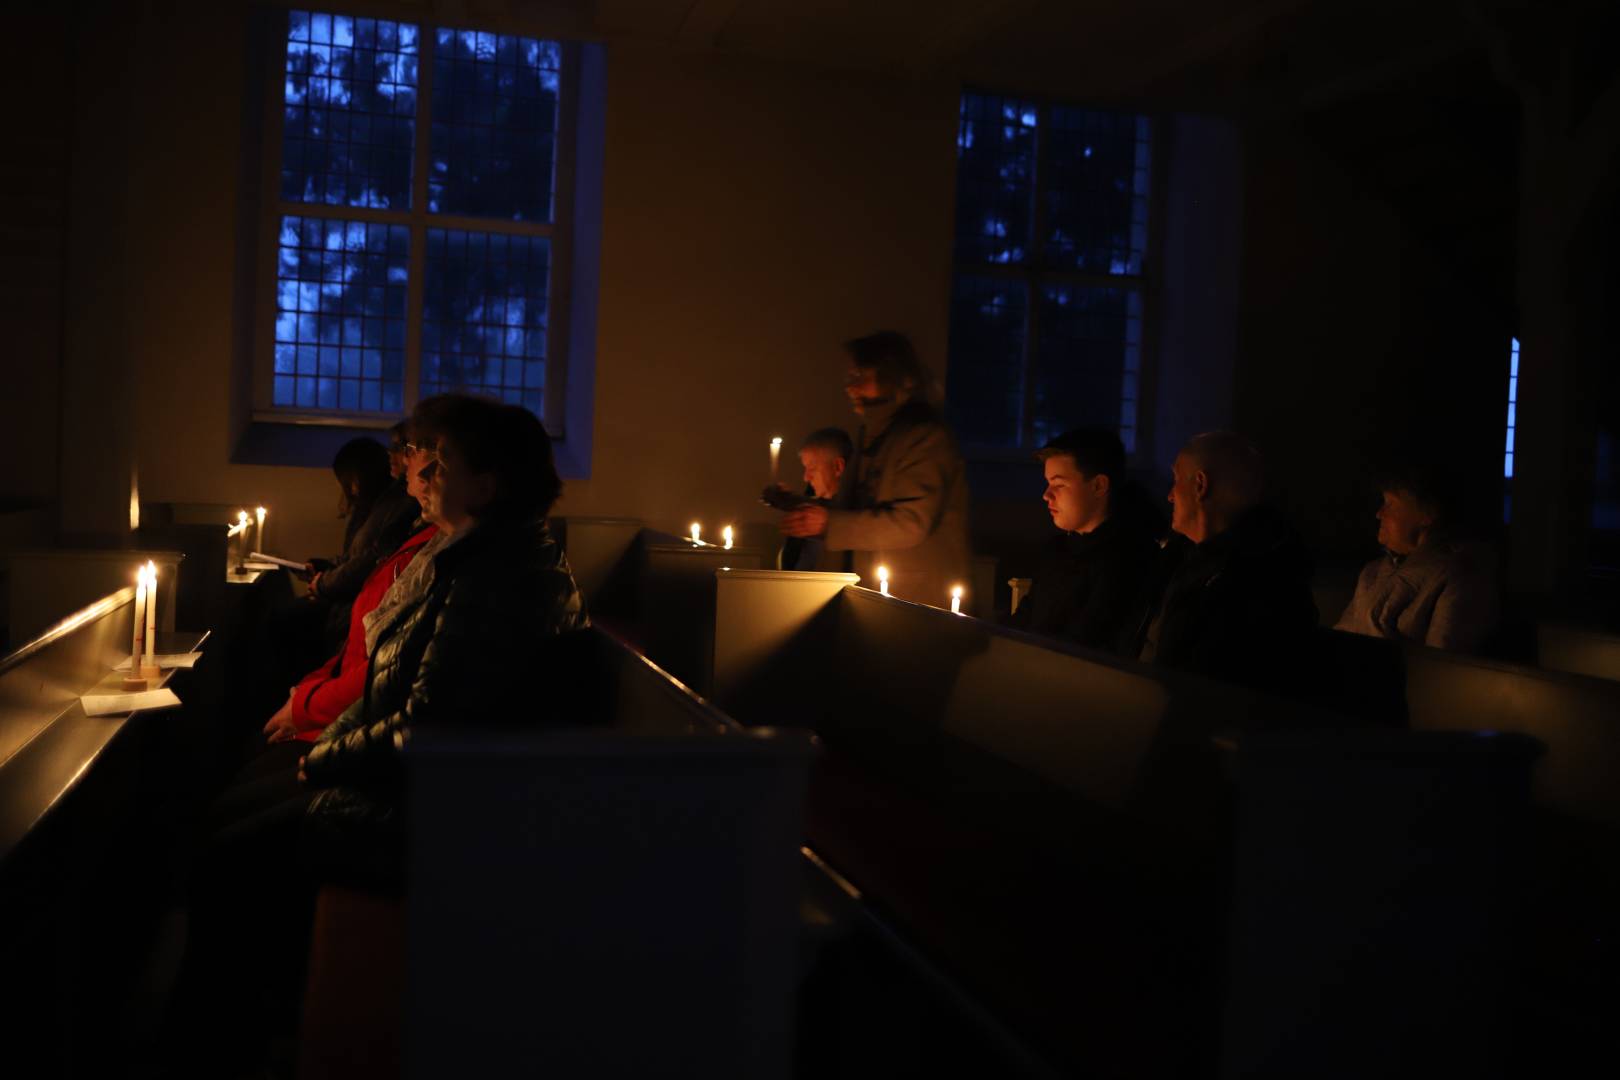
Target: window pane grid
<point>340,315</point>
<point>986,360</point>
<point>995,176</point>
<point>1513,407</point>
<point>1096,191</point>
<point>1082,361</point>
<point>484,315</point>
<point>493,144</point>
<point>1088,364</point>
<point>349,111</point>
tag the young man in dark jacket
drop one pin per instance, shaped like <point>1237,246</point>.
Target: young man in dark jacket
<point>1237,605</point>
<point>1089,586</point>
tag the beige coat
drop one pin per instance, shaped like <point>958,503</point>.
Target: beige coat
<point>907,508</point>
<point>1439,595</point>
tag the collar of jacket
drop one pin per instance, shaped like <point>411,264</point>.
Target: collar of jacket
<point>882,419</point>
<point>484,537</point>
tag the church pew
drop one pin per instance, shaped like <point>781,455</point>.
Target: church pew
<point>653,588</point>
<point>1577,650</point>
<point>45,582</point>
<point>89,810</point>
<point>1017,811</point>
<point>616,898</point>
<point>1572,889</point>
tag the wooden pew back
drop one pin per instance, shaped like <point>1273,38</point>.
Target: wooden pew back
<point>615,900</point>
<point>1578,651</point>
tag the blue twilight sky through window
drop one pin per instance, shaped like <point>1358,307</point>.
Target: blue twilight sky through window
<point>1026,323</point>
<point>351,118</point>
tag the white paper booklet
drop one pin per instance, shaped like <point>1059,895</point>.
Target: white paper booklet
<point>167,661</point>
<point>106,704</point>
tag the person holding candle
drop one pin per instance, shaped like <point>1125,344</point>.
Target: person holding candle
<point>1089,585</point>
<point>904,500</point>
<point>823,457</point>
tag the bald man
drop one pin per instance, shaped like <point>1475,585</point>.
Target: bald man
<point>1237,605</point>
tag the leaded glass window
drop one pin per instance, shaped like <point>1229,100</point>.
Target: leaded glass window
<point>417,218</point>
<point>1051,253</point>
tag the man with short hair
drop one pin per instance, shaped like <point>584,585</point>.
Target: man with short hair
<point>824,455</point>
<point>1088,588</point>
<point>1429,587</point>
<point>1238,602</point>
<point>905,503</point>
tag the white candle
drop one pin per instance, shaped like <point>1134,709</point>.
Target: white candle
<point>151,611</point>
<point>883,580</point>
<point>241,537</point>
<point>776,457</point>
<point>259,536</point>
<point>956,599</point>
<point>726,535</point>
<point>697,534</point>
<point>137,644</point>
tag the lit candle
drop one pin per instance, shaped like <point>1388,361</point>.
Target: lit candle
<point>883,580</point>
<point>137,643</point>
<point>697,534</point>
<point>241,538</point>
<point>956,599</point>
<point>726,535</point>
<point>776,457</point>
<point>151,613</point>
<point>259,536</point>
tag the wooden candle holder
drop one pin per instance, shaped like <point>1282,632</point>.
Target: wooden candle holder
<point>133,684</point>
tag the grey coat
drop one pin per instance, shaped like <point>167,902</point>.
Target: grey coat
<point>1441,595</point>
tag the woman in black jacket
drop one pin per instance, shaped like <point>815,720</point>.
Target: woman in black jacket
<point>501,594</point>
<point>463,656</point>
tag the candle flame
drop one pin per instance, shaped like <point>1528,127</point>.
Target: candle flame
<point>956,592</point>
<point>697,531</point>
<point>259,513</point>
<point>241,517</point>
<point>883,573</point>
<point>776,443</point>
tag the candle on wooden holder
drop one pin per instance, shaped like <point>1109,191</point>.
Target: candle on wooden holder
<point>956,599</point>
<point>883,580</point>
<point>149,668</point>
<point>697,534</point>
<point>727,535</point>
<point>137,647</point>
<point>776,457</point>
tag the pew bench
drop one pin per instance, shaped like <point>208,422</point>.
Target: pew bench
<point>89,808</point>
<point>1015,811</point>
<point>618,897</point>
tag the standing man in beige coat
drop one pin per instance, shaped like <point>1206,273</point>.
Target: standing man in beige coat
<point>904,500</point>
